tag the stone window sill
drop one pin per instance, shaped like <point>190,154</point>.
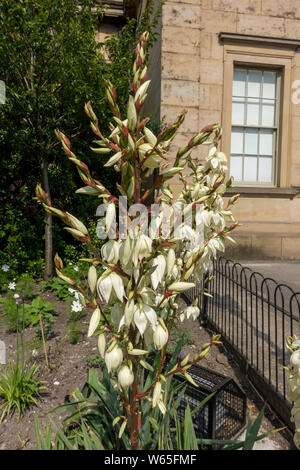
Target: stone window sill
<point>282,193</point>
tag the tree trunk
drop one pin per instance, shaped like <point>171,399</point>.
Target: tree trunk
<point>48,226</point>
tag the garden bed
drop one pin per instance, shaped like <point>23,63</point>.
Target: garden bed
<point>69,365</point>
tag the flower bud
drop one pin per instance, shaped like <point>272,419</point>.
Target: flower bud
<point>160,336</point>
<point>114,358</point>
<point>92,279</point>
<point>295,359</point>
<point>125,377</point>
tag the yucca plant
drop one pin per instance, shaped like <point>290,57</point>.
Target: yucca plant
<point>19,388</point>
<point>141,274</point>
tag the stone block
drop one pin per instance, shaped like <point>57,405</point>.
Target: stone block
<point>183,15</point>
<point>211,72</point>
<point>217,48</point>
<point>182,40</point>
<point>292,28</point>
<point>205,45</point>
<point>281,8</point>
<point>179,67</point>
<point>217,21</point>
<point>261,25</point>
<point>210,97</point>
<point>179,93</point>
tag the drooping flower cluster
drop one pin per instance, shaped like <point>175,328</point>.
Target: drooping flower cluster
<point>293,388</point>
<point>165,250</point>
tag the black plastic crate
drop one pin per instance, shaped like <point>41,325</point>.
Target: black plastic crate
<point>224,415</point>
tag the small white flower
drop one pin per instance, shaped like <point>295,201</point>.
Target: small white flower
<point>12,285</point>
<point>16,296</point>
<point>76,268</point>
<point>76,306</point>
<point>5,268</point>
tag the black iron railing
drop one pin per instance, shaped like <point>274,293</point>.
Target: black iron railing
<point>254,316</point>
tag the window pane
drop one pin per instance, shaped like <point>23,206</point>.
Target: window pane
<point>269,85</point>
<point>239,83</point>
<point>238,111</point>
<point>265,169</point>
<point>266,142</point>
<point>236,168</point>
<point>237,140</point>
<point>268,113</point>
<point>253,112</point>
<point>251,141</point>
<point>254,82</point>
<point>250,168</point>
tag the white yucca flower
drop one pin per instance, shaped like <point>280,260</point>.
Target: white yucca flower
<point>143,314</point>
<point>110,252</point>
<point>125,252</point>
<point>142,248</point>
<point>160,336</point>
<point>158,273</point>
<point>110,216</point>
<point>171,258</point>
<point>110,282</point>
<point>114,358</point>
<point>295,360</point>
<point>125,377</point>
<point>191,311</point>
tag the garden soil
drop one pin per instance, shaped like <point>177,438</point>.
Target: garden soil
<point>69,367</point>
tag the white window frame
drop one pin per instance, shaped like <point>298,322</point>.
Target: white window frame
<point>275,128</point>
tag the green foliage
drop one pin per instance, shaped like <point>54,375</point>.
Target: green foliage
<point>58,286</point>
<point>89,424</point>
<point>94,360</point>
<point>20,316</point>
<point>19,388</point>
<point>15,316</point>
<point>48,322</point>
<point>40,307</point>
<point>26,285</point>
